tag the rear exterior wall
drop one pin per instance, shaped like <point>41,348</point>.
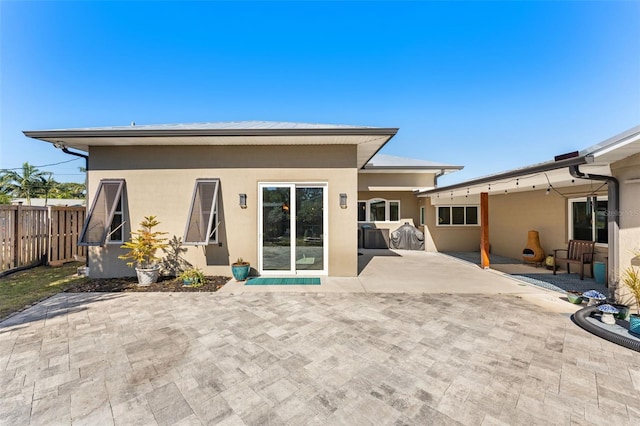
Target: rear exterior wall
<point>160,182</point>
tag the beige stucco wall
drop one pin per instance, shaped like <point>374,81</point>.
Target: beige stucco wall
<point>511,216</point>
<point>160,181</point>
<point>629,239</point>
<point>447,238</point>
<point>408,206</point>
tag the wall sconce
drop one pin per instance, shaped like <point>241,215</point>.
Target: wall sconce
<point>243,201</point>
<point>343,200</point>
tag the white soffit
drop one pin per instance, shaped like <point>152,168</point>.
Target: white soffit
<point>368,140</point>
<point>397,188</point>
<point>559,178</point>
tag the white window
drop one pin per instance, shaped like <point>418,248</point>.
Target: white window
<point>421,215</point>
<point>105,219</point>
<point>588,219</point>
<point>379,210</point>
<point>202,224</point>
<point>457,216</point>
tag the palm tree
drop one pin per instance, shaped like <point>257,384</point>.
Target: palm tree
<point>45,185</point>
<point>22,185</point>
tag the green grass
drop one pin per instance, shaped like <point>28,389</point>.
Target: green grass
<point>25,288</point>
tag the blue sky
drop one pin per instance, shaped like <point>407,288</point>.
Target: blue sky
<point>488,85</point>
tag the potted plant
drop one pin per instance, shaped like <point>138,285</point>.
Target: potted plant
<point>574,296</point>
<point>631,279</point>
<point>192,277</point>
<point>240,269</point>
<point>142,251</point>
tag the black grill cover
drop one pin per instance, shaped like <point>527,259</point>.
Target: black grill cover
<point>407,237</point>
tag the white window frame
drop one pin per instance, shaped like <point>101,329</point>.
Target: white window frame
<point>213,222</point>
<point>571,201</point>
<point>450,207</point>
<point>112,230</point>
<point>105,222</point>
<point>422,215</point>
<point>387,210</point>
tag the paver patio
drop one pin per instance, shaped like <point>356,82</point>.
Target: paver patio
<point>313,358</point>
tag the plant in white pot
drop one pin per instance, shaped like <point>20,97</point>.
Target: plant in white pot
<point>144,244</point>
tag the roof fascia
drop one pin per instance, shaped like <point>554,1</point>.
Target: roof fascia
<point>88,133</point>
<point>416,168</point>
<point>538,168</point>
<point>613,143</point>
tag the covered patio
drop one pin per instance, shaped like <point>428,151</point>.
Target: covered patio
<point>535,275</point>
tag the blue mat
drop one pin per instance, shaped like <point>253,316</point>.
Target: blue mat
<point>283,281</point>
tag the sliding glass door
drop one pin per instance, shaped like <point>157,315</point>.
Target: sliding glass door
<point>293,229</point>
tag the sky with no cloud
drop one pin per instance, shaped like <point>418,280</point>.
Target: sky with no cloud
<point>488,85</point>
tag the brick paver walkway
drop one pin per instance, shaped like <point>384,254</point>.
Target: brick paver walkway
<point>282,358</point>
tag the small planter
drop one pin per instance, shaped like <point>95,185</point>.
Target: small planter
<point>240,272</point>
<point>193,277</point>
<point>634,323</point>
<point>623,311</point>
<point>574,297</point>
<point>148,276</point>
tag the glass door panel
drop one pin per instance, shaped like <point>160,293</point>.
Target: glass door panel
<point>276,228</point>
<point>309,224</point>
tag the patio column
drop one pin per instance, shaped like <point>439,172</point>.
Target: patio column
<point>484,230</point>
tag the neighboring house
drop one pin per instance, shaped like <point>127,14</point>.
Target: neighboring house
<point>591,195</point>
<point>41,202</point>
<point>287,197</point>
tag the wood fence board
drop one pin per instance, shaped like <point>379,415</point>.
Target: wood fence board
<point>32,235</point>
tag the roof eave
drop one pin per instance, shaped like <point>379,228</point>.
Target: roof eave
<point>537,168</point>
<point>87,133</point>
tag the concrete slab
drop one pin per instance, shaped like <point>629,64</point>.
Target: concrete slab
<point>419,272</point>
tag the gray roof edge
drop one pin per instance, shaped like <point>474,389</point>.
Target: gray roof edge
<point>441,167</point>
<point>536,168</point>
<point>584,156</point>
<point>391,162</point>
<point>84,133</point>
<point>612,141</point>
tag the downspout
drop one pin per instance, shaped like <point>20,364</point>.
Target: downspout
<point>613,220</point>
<point>77,154</point>
<point>436,176</point>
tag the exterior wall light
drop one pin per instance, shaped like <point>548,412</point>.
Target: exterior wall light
<point>243,201</point>
<point>343,200</point>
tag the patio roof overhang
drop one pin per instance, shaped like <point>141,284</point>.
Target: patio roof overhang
<point>368,140</point>
<point>555,174</point>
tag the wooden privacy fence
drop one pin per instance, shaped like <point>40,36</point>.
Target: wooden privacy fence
<point>32,236</point>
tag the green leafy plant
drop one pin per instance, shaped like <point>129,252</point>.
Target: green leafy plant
<point>240,262</point>
<point>631,279</point>
<point>143,244</point>
<point>194,276</point>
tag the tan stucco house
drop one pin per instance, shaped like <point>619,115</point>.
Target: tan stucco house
<point>592,194</point>
<point>291,198</point>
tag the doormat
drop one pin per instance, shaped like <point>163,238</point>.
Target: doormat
<point>283,281</point>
